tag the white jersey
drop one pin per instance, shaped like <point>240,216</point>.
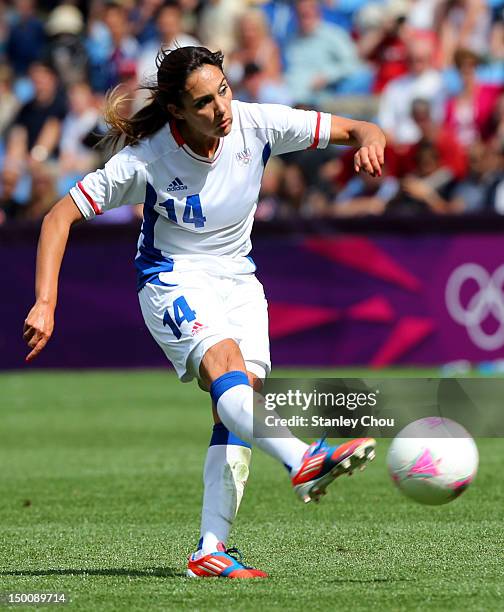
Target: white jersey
<point>198,212</point>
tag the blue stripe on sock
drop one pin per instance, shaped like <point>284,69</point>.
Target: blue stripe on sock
<point>200,543</point>
<point>226,381</point>
<point>236,441</point>
<point>222,435</point>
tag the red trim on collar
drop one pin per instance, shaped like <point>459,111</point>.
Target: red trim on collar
<point>179,139</point>
<point>205,160</point>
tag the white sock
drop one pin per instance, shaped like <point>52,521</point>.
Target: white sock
<point>225,475</point>
<point>234,399</point>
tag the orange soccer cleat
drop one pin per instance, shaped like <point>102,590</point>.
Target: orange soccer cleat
<point>323,463</point>
<point>221,564</point>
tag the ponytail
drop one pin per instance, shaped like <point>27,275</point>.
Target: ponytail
<point>128,131</point>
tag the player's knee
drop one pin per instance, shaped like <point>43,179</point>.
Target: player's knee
<point>255,382</point>
<point>223,357</point>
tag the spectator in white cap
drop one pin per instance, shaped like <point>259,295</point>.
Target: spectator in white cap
<point>66,50</point>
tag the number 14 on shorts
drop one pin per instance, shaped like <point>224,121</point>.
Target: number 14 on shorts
<point>182,312</point>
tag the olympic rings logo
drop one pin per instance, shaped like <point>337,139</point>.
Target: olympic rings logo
<point>488,300</point>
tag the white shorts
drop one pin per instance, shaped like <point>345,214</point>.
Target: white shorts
<point>188,312</point>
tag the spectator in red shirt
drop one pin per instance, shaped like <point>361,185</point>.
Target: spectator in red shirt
<point>383,42</point>
<point>452,155</point>
<point>469,113</point>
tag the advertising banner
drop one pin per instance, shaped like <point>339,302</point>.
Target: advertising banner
<point>333,301</point>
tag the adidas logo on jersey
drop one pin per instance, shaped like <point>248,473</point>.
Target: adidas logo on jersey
<point>197,327</point>
<point>176,185</point>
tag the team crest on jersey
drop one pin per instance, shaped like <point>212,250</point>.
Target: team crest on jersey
<point>244,157</point>
<point>176,185</point>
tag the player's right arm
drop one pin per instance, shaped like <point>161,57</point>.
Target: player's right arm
<point>39,323</point>
<point>121,181</point>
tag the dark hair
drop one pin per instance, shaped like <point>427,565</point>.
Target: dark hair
<point>463,55</point>
<point>173,70</point>
<point>44,63</point>
<point>426,147</point>
<point>168,4</point>
<point>421,105</point>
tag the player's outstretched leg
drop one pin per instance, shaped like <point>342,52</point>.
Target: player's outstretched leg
<point>234,398</point>
<point>312,468</point>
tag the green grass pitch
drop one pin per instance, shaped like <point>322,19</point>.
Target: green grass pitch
<point>100,498</point>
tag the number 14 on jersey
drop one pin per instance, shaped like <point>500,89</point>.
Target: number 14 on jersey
<point>193,214</point>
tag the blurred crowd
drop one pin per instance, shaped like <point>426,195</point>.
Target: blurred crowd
<point>430,72</point>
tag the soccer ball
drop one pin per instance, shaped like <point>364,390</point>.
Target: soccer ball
<point>433,460</point>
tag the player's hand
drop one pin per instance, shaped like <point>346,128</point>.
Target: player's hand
<point>370,158</point>
<point>38,328</point>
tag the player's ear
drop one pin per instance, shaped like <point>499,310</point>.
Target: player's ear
<point>175,111</point>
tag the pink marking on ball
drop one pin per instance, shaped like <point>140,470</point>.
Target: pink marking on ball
<point>425,465</point>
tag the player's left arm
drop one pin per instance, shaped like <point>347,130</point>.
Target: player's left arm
<point>370,139</point>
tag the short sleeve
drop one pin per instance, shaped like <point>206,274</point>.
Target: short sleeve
<point>121,181</point>
<point>290,129</point>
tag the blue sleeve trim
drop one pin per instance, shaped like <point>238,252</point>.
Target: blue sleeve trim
<point>266,153</point>
<point>222,436</point>
<point>226,381</point>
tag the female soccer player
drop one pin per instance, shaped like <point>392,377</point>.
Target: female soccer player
<point>195,158</point>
